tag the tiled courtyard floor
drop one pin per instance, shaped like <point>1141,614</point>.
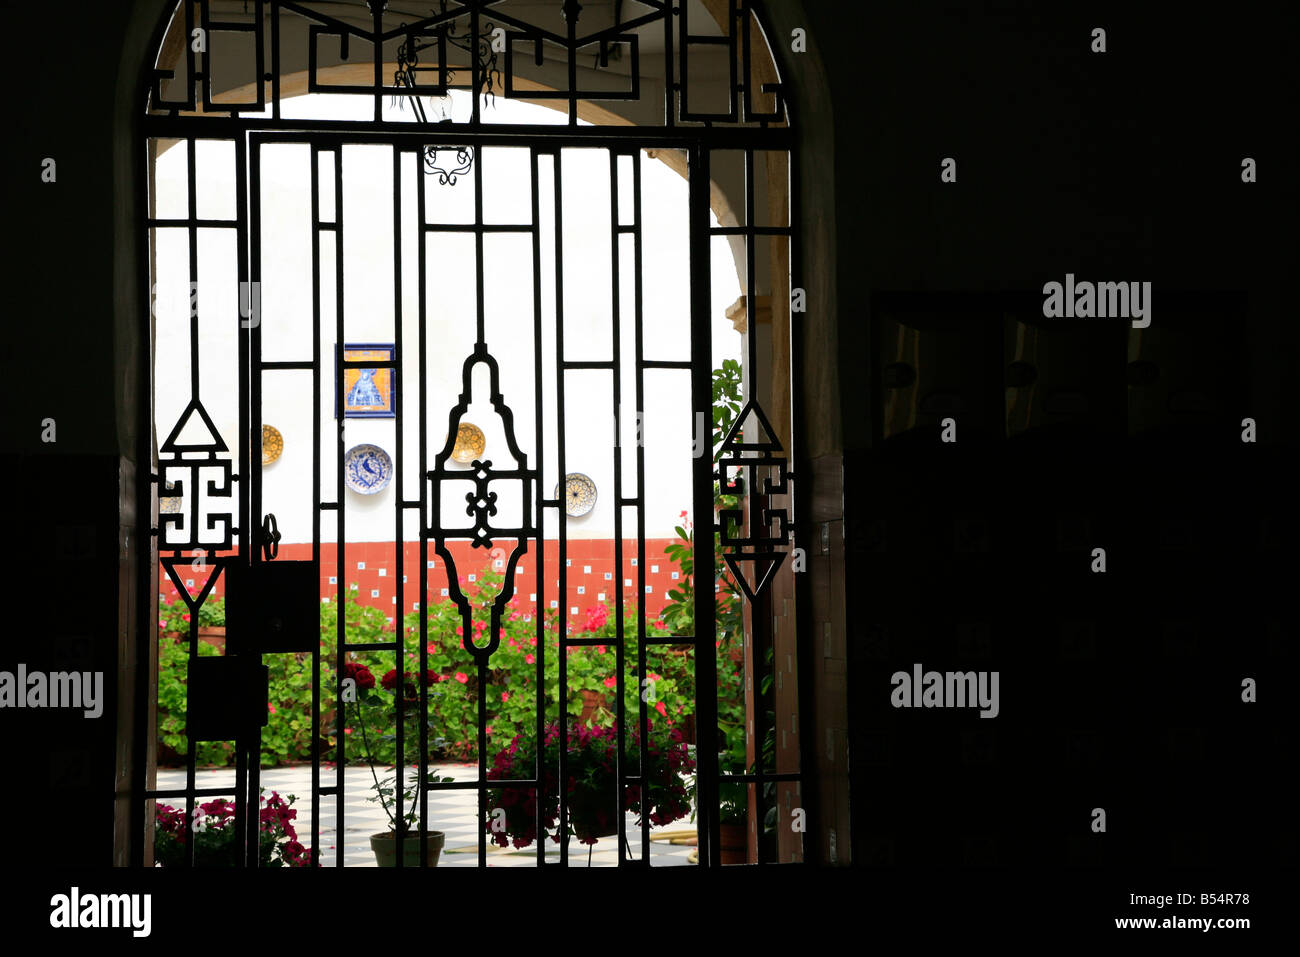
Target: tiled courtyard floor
<point>453,812</point>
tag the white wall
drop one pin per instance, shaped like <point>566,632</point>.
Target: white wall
<point>369,309</point>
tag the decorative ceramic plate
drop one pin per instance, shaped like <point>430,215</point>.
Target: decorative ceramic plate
<point>272,444</point>
<point>367,469</point>
<point>470,443</point>
<point>579,494</point>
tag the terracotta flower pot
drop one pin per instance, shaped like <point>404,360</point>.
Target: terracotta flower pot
<point>385,847</point>
<point>215,636</point>
<point>733,839</point>
<point>591,702</point>
<point>687,727</point>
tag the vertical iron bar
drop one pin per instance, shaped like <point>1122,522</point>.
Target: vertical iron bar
<point>250,267</point>
<point>480,345</point>
<point>192,233</point>
<point>424,484</point>
<point>474,117</point>
<point>315,511</point>
<point>250,439</point>
<point>341,495</point>
<point>642,718</point>
<point>571,27</point>
<point>399,466</point>
<point>733,31</point>
<point>377,17</point>
<point>562,620</point>
<point>670,67</point>
<point>746,104</point>
<point>760,616</point>
<point>275,61</point>
<point>706,664</point>
<point>259,56</point>
<point>620,769</point>
<point>539,772</point>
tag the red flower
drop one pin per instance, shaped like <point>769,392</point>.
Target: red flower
<point>360,674</point>
<point>611,681</point>
<point>597,615</point>
<point>462,677</point>
<point>505,696</point>
<point>389,681</point>
<point>661,709</point>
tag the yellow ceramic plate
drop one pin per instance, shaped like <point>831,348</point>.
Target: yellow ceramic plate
<point>470,443</point>
<point>579,494</point>
<point>272,444</point>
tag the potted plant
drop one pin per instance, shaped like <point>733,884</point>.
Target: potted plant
<point>591,786</point>
<point>404,831</point>
<point>733,809</point>
<point>214,835</point>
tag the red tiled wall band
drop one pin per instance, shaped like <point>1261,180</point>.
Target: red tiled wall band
<point>375,569</point>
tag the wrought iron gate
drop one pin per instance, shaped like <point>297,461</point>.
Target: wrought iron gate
<point>514,502</point>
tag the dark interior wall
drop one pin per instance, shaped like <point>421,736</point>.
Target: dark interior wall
<point>1119,691</point>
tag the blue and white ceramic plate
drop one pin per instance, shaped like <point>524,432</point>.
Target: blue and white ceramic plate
<point>367,469</point>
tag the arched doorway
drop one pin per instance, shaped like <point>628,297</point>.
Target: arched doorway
<point>395,355</point>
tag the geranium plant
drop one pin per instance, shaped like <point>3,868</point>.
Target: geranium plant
<point>215,831</point>
<point>591,784</point>
<point>372,712</point>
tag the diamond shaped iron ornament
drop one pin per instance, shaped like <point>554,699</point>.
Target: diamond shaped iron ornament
<point>762,460</point>
<point>481,505</point>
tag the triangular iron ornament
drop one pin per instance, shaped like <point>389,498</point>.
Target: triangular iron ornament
<point>202,434</point>
<point>735,442</point>
<point>752,591</point>
<point>762,458</point>
<point>203,580</point>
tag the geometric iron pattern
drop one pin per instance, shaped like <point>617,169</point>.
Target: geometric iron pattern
<point>769,528</point>
<point>594,51</point>
<point>481,504</point>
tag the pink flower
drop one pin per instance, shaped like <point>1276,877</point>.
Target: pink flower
<point>597,615</point>
<point>505,696</point>
<point>347,730</point>
<point>271,708</point>
<point>529,659</point>
<point>683,515</point>
<point>611,681</point>
<point>431,649</point>
<point>462,677</point>
<point>185,617</point>
<point>661,709</point>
